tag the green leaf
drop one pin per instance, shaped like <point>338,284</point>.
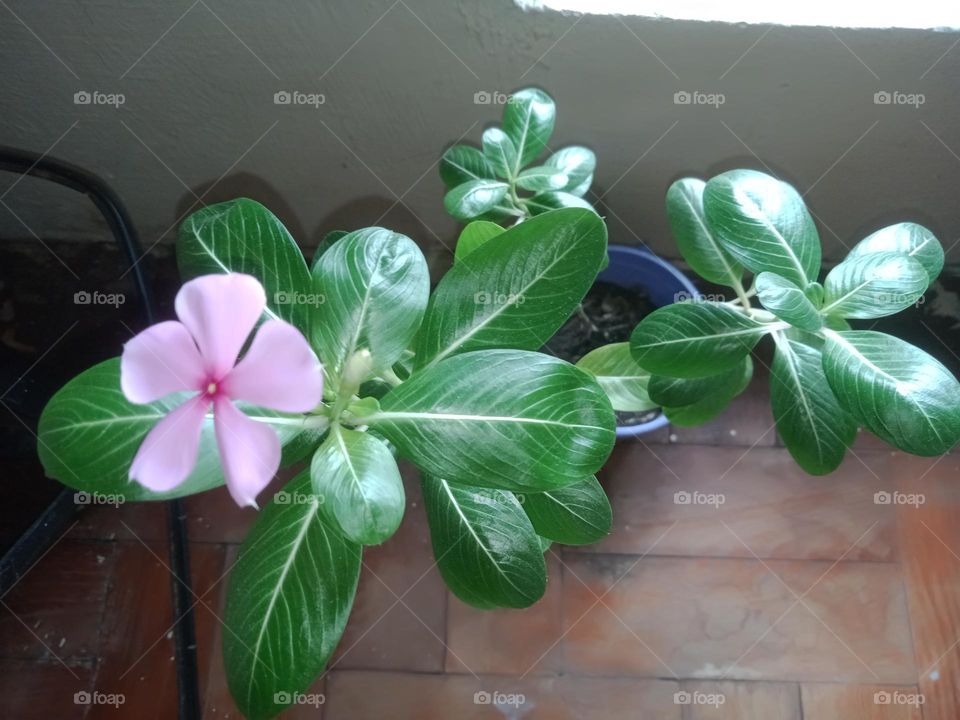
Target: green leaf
<point>289,598</point>
<point>500,152</point>
<point>695,339</point>
<point>545,543</point>
<point>873,285</point>
<point>473,236</point>
<point>764,224</point>
<point>486,548</point>
<point>787,301</point>
<point>546,201</point>
<point>677,392</point>
<point>528,119</point>
<point>697,244</point>
<point>906,237</point>
<point>715,400</point>
<point>900,393</point>
<point>461,164</point>
<point>578,164</point>
<point>500,418</point>
<point>624,382</point>
<point>474,198</point>
<point>516,289</point>
<point>89,433</point>
<point>375,284</point>
<point>815,428</point>
<point>243,236</point>
<point>325,243</point>
<point>578,514</point>
<point>542,178</point>
<point>360,484</point>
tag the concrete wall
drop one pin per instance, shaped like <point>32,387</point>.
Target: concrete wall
<point>399,78</point>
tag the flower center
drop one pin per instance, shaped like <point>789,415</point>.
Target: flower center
<point>211,389</point>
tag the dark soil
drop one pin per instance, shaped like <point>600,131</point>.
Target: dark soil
<point>608,314</point>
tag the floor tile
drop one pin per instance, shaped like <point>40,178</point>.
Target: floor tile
<point>32,690</point>
<point>861,702</point>
<point>513,642</point>
<point>740,700</point>
<point>56,607</point>
<point>399,696</point>
<point>398,620</point>
<point>739,619</point>
<point>744,504</point>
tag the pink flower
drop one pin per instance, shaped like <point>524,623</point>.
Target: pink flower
<point>199,353</point>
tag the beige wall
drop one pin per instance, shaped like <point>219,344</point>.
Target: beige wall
<point>399,81</point>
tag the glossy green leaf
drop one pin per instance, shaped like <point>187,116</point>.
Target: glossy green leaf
<point>578,164</point>
<point>500,152</point>
<point>474,235</point>
<point>714,401</point>
<point>624,382</point>
<point>474,198</point>
<point>677,392</point>
<point>763,223</point>
<point>485,546</point>
<point>360,484</point>
<point>788,302</point>
<point>695,339</point>
<point>696,242</point>
<point>906,237</point>
<point>289,597</point>
<point>375,285</point>
<point>243,236</point>
<point>528,119</point>
<point>516,289</point>
<point>873,285</point>
<point>577,514</point>
<point>547,201</point>
<point>461,164</point>
<point>325,243</point>
<point>89,433</point>
<point>900,393</point>
<point>511,419</point>
<point>815,428</point>
<point>542,178</point>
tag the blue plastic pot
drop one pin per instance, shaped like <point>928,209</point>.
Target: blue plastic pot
<point>633,268</point>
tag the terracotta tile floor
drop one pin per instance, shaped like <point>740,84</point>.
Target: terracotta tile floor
<point>796,597</point>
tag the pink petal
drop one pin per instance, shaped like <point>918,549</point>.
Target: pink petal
<point>169,451</point>
<point>249,452</point>
<point>160,360</point>
<point>279,371</point>
<point>220,311</point>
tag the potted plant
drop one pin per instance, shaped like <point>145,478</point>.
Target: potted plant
<point>504,183</point>
<point>826,379</point>
<point>343,366</point>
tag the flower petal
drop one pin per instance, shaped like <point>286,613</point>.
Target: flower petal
<point>161,360</point>
<point>249,452</point>
<point>220,311</point>
<point>279,371</point>
<point>169,451</point>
